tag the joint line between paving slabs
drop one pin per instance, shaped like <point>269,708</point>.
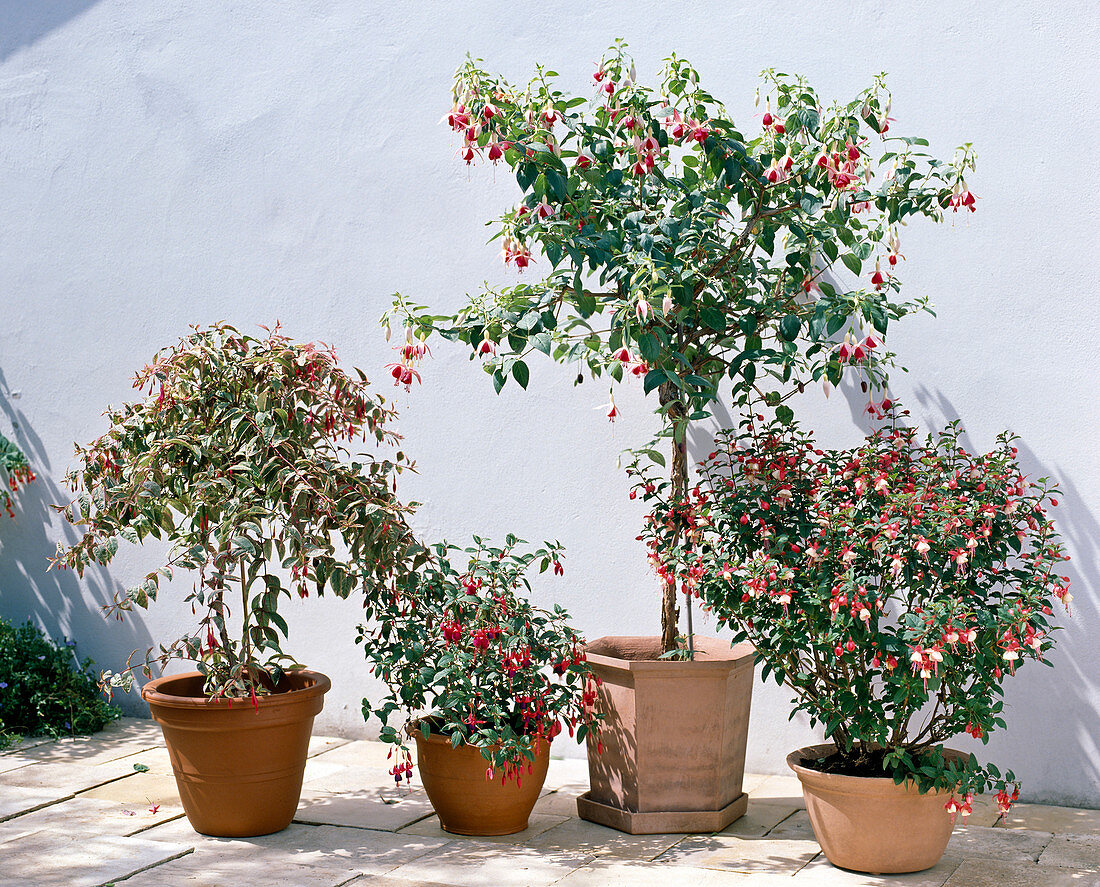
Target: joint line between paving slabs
<point>42,806</point>
<point>154,825</point>
<point>146,868</point>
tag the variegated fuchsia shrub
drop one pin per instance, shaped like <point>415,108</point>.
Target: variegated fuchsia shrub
<point>892,587</point>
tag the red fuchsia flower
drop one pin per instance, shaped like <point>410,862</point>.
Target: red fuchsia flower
<point>496,150</point>
<point>698,130</point>
<point>457,118</point>
<point>1005,801</point>
<point>514,251</point>
<point>403,374</point>
<point>776,173</point>
<point>674,125</point>
<point>961,196</point>
<point>599,75</point>
<point>608,86</point>
<point>877,279</point>
<point>584,160</point>
<point>612,412</point>
<point>544,210</point>
<point>623,355</point>
<point>550,117</point>
<point>489,111</point>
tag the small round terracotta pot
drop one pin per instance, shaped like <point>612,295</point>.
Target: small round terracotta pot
<point>869,824</point>
<point>238,766</point>
<point>467,800</point>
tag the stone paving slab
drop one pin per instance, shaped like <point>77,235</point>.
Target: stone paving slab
<point>746,855</point>
<point>795,827</point>
<point>485,864</point>
<point>822,873</point>
<point>14,762</point>
<point>90,817</point>
<point>537,824</point>
<point>622,874</point>
<point>1042,817</point>
<point>558,803</point>
<point>364,808</point>
<point>68,777</point>
<point>779,790</point>
<point>16,800</point>
<point>361,753</point>
<point>976,842</point>
<point>353,850</point>
<point>46,858</point>
<point>1073,851</point>
<point>761,818</point>
<point>577,835</point>
<point>987,873</point>
<point>140,790</point>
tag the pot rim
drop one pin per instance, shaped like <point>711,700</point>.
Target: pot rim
<point>819,777</point>
<point>728,657</point>
<point>151,693</point>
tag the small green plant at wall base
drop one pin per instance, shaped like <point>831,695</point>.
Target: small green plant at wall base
<point>466,655</point>
<point>686,252</point>
<point>237,456</point>
<point>892,587</point>
<point>45,689</point>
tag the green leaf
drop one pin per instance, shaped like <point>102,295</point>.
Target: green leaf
<point>542,342</point>
<point>852,263</point>
<point>652,379</point>
<point>789,327</point>
<point>498,380</point>
<point>649,348</point>
<point>521,373</point>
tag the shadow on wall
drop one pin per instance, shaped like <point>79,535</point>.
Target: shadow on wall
<point>22,23</point>
<point>56,600</point>
<point>1056,710</point>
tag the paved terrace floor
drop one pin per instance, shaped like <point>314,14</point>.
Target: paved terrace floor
<point>77,813</point>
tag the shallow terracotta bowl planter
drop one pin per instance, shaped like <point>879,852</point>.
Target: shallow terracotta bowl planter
<point>673,737</point>
<point>869,824</point>
<point>238,767</point>
<point>466,800</point>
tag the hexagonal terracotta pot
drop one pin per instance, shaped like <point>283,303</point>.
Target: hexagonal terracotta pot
<point>466,800</point>
<point>869,824</point>
<point>238,766</point>
<point>673,737</point>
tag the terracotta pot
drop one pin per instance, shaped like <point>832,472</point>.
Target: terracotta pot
<point>869,824</point>
<point>673,737</point>
<point>467,801</point>
<point>238,767</point>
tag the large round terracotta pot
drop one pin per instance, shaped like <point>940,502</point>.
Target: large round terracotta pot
<point>670,756</point>
<point>467,800</point>
<point>238,766</point>
<point>869,824</point>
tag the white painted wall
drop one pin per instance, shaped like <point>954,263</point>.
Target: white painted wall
<point>170,163</point>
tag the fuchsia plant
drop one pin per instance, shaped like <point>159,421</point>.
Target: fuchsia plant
<point>687,252</point>
<point>236,455</point>
<point>892,587</point>
<point>465,654</point>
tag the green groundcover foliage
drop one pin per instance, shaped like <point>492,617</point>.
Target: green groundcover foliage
<point>44,689</point>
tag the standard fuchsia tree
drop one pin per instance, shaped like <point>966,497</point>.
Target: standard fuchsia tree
<point>687,251</point>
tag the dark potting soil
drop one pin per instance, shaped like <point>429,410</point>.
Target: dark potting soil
<point>868,764</point>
